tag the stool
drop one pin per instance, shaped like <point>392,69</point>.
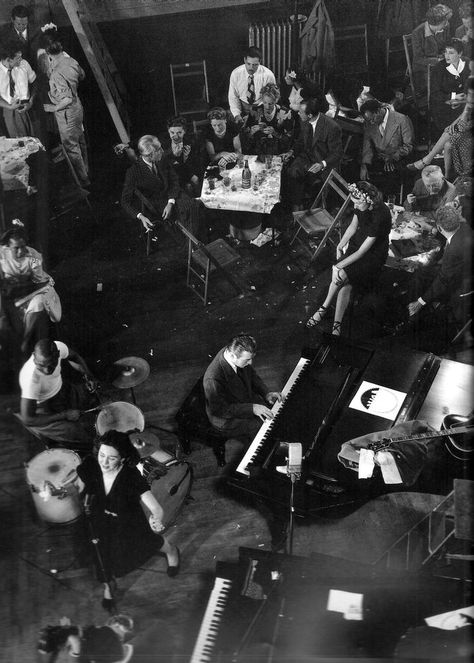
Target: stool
<point>193,421</point>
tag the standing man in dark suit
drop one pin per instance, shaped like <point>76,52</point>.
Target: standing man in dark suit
<point>20,29</point>
<point>454,273</point>
<point>237,400</point>
<point>317,150</point>
<point>154,176</point>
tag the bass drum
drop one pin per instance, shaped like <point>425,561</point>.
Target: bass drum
<point>52,478</point>
<point>170,482</point>
<point>120,416</point>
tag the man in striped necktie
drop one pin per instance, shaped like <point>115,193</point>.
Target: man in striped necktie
<point>246,83</point>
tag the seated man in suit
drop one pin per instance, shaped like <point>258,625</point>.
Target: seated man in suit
<point>388,140</point>
<point>453,276</point>
<point>154,176</point>
<point>317,150</point>
<point>430,192</point>
<point>184,153</point>
<point>237,400</point>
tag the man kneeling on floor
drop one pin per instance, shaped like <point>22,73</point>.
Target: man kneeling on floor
<point>51,404</point>
<point>237,399</point>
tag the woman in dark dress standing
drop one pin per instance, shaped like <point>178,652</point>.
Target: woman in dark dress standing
<point>366,239</point>
<point>117,491</point>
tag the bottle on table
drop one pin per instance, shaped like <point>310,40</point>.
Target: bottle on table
<point>246,176</point>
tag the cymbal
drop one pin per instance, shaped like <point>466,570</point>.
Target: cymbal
<point>133,371</point>
<point>145,442</point>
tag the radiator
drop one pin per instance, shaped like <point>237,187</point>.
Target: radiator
<point>274,40</point>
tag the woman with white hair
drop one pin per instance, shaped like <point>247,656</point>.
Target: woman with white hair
<point>270,130</point>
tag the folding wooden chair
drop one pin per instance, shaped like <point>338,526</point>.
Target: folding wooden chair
<point>203,259</point>
<point>317,219</point>
<point>189,87</point>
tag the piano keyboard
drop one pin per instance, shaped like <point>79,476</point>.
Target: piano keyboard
<point>265,429</point>
<point>205,643</point>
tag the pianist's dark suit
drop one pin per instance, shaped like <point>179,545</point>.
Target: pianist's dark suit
<point>230,396</point>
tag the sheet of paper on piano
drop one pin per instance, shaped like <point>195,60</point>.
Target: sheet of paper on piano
<point>378,400</point>
<point>349,603</point>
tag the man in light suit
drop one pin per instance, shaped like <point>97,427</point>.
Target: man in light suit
<point>388,140</point>
<point>317,150</point>
<point>454,274</point>
<point>154,176</point>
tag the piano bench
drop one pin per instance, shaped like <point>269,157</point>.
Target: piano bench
<point>193,423</point>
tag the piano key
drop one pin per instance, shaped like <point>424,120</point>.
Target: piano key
<point>258,443</point>
<point>208,631</point>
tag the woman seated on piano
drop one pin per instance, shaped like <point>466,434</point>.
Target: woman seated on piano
<point>360,254</point>
<point>21,274</point>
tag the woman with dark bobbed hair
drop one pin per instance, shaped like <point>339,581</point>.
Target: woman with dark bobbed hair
<point>361,252</point>
<point>221,139</point>
<point>448,82</point>
<point>118,491</point>
<point>301,87</point>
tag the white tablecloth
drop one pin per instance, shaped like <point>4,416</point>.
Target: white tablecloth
<point>233,197</point>
<point>14,170</point>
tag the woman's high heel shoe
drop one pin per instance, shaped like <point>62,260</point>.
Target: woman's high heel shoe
<point>172,571</point>
<point>336,328</point>
<point>313,322</point>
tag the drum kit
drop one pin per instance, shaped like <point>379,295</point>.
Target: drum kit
<point>52,475</point>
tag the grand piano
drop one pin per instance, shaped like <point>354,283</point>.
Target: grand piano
<point>281,608</point>
<point>316,412</point>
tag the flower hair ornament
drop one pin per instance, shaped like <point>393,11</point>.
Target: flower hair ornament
<point>17,222</point>
<point>292,74</point>
<point>49,26</point>
<point>360,195</point>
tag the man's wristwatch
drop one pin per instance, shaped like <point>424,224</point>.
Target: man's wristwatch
<point>172,201</point>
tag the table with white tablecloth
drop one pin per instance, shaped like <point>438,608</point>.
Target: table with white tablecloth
<point>228,194</point>
<point>14,169</point>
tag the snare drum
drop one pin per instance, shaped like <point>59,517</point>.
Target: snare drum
<point>170,482</point>
<point>52,478</point>
<point>121,416</point>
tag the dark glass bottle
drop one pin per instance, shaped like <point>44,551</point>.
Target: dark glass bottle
<point>246,176</point>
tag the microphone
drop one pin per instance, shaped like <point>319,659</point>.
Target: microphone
<point>293,461</point>
<point>294,457</point>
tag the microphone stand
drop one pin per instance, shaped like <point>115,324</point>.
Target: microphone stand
<point>108,604</point>
<point>294,476</point>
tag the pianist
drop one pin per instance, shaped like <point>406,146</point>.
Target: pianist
<point>237,400</point>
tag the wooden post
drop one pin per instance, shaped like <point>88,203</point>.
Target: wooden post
<point>101,64</point>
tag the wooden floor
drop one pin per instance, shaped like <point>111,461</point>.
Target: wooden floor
<point>145,309</point>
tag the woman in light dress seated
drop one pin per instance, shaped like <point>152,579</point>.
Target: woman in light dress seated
<point>22,277</point>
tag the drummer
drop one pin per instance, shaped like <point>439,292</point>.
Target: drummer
<point>117,492</point>
<point>51,404</point>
